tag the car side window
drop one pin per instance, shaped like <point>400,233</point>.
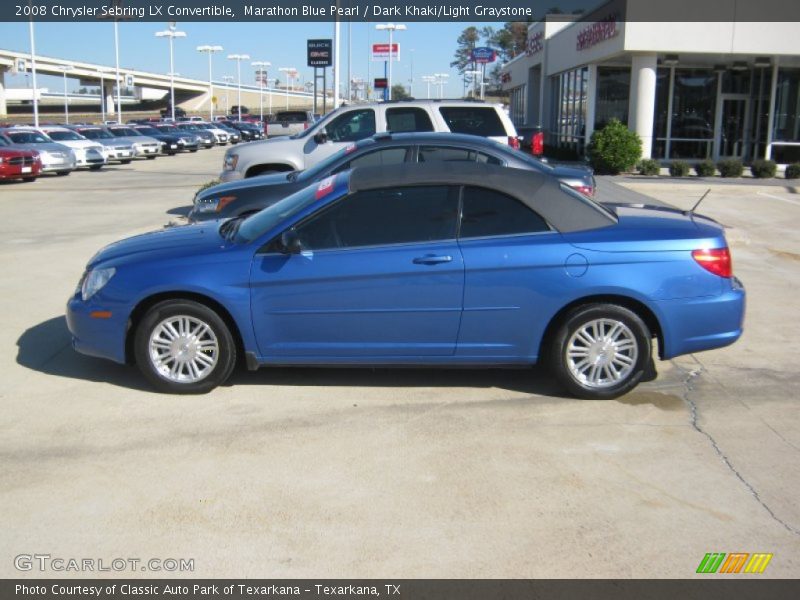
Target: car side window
<point>490,213</point>
<point>407,119</point>
<point>377,158</point>
<point>477,120</point>
<point>453,154</point>
<point>382,217</point>
<point>352,126</point>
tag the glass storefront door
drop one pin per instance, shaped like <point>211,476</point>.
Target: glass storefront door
<point>732,120</point>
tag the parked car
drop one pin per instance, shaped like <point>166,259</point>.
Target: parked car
<point>194,119</point>
<point>170,143</point>
<point>55,158</point>
<point>234,136</point>
<point>115,149</point>
<point>206,138</point>
<point>16,163</point>
<point>289,122</point>
<point>167,112</point>
<point>248,131</point>
<point>438,264</point>
<point>87,152</point>
<point>187,140</point>
<point>236,109</point>
<point>245,196</point>
<point>143,146</point>
<point>220,135</point>
<point>353,123</point>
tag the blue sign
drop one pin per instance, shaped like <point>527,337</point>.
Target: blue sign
<point>484,55</point>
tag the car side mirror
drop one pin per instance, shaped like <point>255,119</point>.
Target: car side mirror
<point>290,243</point>
<point>321,136</point>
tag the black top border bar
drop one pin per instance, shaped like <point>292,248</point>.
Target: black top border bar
<point>399,10</point>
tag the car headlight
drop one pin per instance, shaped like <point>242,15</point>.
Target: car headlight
<point>210,204</point>
<point>230,162</point>
<point>95,281</point>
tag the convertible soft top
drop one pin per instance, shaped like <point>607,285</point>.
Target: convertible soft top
<point>564,211</point>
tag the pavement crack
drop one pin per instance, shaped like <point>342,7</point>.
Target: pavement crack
<point>688,387</point>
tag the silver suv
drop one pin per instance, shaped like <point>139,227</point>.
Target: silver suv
<point>352,123</point>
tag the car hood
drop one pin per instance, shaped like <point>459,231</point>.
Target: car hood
<point>7,152</point>
<point>114,142</point>
<point>244,184</point>
<point>170,242</point>
<point>46,147</point>
<point>80,143</point>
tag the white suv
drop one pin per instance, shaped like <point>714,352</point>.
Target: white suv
<point>356,122</point>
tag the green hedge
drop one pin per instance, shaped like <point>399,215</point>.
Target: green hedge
<point>731,167</point>
<point>705,168</point>
<point>763,169</point>
<point>614,149</point>
<point>679,168</point>
<point>793,171</point>
<point>648,166</point>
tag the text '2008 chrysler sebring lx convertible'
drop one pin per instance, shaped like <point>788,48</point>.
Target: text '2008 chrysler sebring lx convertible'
<point>442,264</point>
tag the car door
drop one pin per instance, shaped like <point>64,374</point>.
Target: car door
<point>380,277</point>
<point>514,270</point>
<point>342,130</point>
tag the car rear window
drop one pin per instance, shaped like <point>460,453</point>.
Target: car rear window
<point>407,119</point>
<point>477,120</point>
<point>292,116</point>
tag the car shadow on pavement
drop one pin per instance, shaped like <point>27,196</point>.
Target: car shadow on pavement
<point>180,211</point>
<point>47,348</point>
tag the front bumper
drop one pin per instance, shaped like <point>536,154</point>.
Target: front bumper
<point>227,176</point>
<point>100,337</point>
<point>8,171</point>
<point>56,165</point>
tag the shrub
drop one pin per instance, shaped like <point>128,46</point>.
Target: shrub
<point>705,168</point>
<point>731,167</point>
<point>209,184</point>
<point>614,148</point>
<point>679,168</point>
<point>763,169</point>
<point>793,171</point>
<point>648,166</point>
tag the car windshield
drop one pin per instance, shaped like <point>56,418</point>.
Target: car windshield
<point>124,131</point>
<point>64,136</point>
<point>316,127</point>
<point>96,134</point>
<point>166,128</point>
<point>4,141</point>
<point>27,137</point>
<point>148,130</point>
<point>324,166</point>
<point>261,222</point>
<point>187,126</point>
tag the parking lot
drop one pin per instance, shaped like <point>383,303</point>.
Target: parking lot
<point>389,473</point>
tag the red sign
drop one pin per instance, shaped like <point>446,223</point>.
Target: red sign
<point>381,83</point>
<point>535,43</point>
<point>597,32</point>
<point>381,52</point>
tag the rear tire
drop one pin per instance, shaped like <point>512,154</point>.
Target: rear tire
<point>63,173</point>
<point>126,162</point>
<point>151,157</point>
<point>600,351</point>
<point>28,179</point>
<point>184,347</point>
<point>95,167</point>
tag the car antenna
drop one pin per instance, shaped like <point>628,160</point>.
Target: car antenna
<point>703,197</point>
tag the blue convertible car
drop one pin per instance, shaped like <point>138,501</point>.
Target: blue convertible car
<point>441,264</point>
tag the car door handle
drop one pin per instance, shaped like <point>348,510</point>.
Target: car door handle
<point>431,259</point>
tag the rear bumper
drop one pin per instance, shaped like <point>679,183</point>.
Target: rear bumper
<point>697,324</point>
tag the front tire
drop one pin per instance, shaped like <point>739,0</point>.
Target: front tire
<point>184,347</point>
<point>600,351</point>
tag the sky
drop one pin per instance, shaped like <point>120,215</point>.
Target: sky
<point>282,44</point>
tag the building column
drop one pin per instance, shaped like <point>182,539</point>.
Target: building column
<point>3,104</point>
<point>591,101</point>
<point>107,97</point>
<point>642,101</point>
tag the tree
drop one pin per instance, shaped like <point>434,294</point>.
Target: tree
<point>509,41</point>
<point>399,92</point>
<point>467,42</point>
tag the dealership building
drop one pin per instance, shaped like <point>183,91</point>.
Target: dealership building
<point>691,90</point>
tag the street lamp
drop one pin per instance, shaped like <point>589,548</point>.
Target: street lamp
<point>441,79</point>
<point>391,28</point>
<point>103,71</point>
<point>261,75</point>
<point>64,70</point>
<point>429,79</point>
<point>291,72</point>
<point>210,50</point>
<point>239,58</point>
<point>171,34</point>
<point>229,80</point>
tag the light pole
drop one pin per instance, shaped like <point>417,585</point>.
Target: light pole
<point>64,70</point>
<point>239,58</point>
<point>441,79</point>
<point>33,72</point>
<point>411,82</point>
<point>290,73</point>
<point>269,109</point>
<point>429,79</point>
<point>171,34</point>
<point>229,80</point>
<point>261,76</point>
<point>391,28</point>
<point>103,71</point>
<point>210,50</point>
<point>119,85</point>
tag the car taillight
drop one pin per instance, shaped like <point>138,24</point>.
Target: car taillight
<point>715,260</point>
<point>305,125</point>
<point>537,144</point>
<point>586,190</point>
<point>513,141</point>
